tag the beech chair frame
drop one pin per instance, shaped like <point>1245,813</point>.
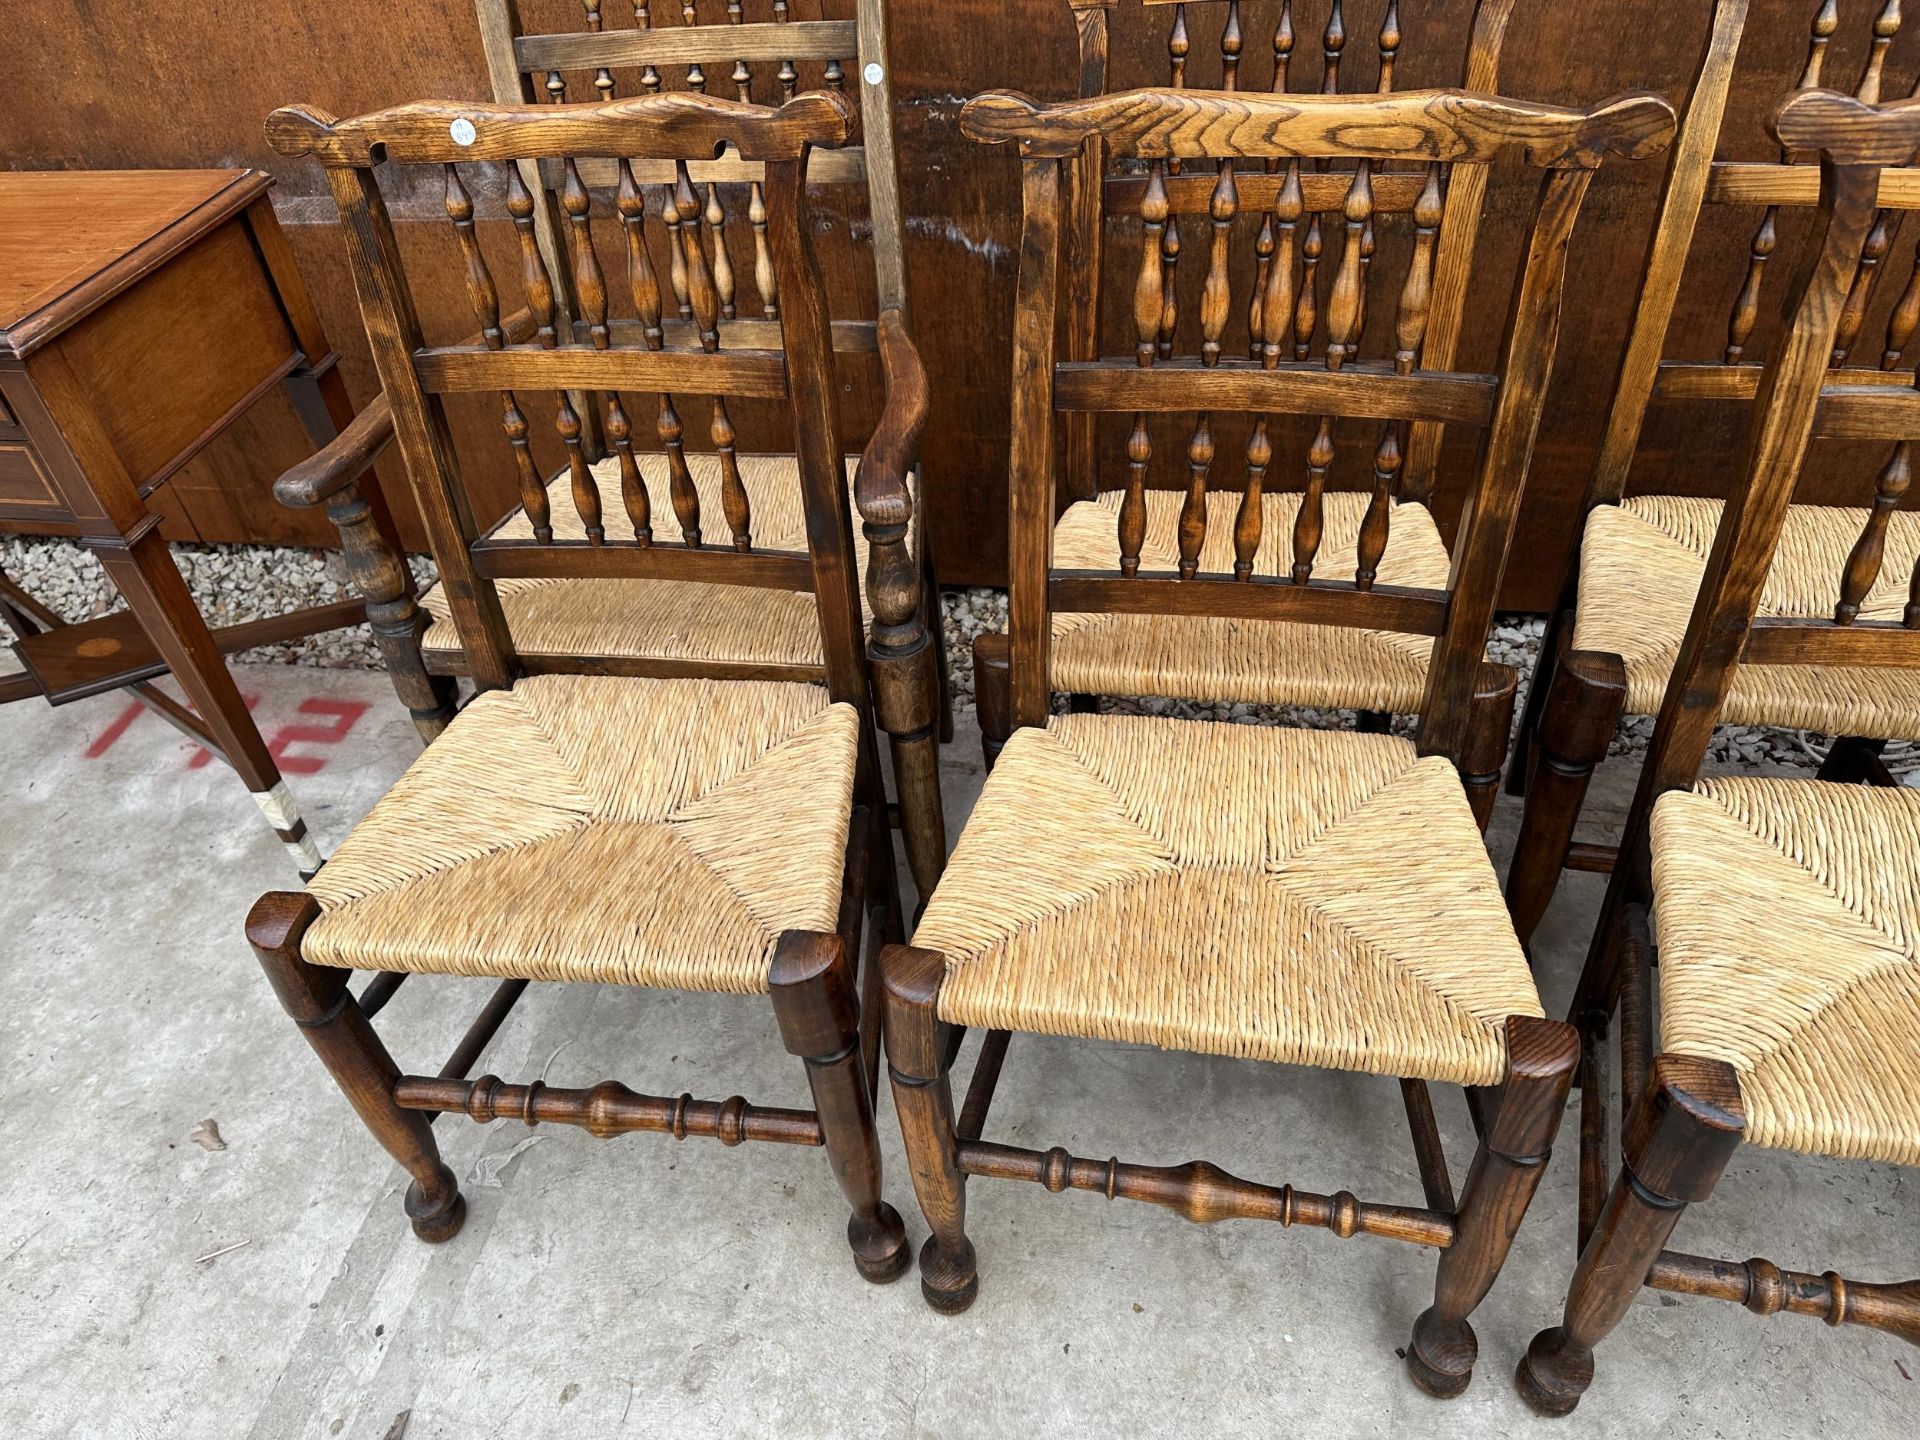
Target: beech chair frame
<point>1577,697</point>
<point>1057,146</point>
<point>825,1001</point>
<point>1683,1115</point>
<point>748,60</point>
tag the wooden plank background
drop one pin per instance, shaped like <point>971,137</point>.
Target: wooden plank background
<point>188,85</point>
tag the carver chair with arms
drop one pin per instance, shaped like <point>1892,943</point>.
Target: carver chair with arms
<point>700,832</point>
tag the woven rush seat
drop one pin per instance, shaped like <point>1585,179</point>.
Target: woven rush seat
<point>1641,564</point>
<point>1245,661</point>
<point>1788,920</point>
<point>1311,897</point>
<point>640,832</point>
<point>662,619</point>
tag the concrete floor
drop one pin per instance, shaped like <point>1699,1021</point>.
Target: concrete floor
<point>154,1288</point>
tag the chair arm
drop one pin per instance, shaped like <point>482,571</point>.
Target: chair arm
<point>341,461</point>
<point>880,481</point>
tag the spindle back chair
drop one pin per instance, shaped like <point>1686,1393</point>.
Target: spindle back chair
<point>735,826</point>
<point>1783,909</point>
<point>1242,890</point>
<point>1606,651</point>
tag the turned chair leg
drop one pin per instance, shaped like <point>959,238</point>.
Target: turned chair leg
<point>319,1002</point>
<point>923,1098</point>
<point>1553,646</point>
<point>1589,689</point>
<point>815,1001</point>
<point>1678,1140</point>
<point>1489,726</point>
<point>1506,1170</point>
<point>993,693</point>
<point>378,571</point>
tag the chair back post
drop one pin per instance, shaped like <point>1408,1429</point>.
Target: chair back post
<point>1689,166</point>
<point>533,350</point>
<point>1493,506</point>
<point>1237,133</point>
<point>807,334</point>
<point>419,419</point>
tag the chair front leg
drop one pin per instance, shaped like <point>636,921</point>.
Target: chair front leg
<point>1489,727</point>
<point>319,1002</point>
<point>379,574</point>
<point>923,1098</point>
<point>816,1002</point>
<point>1582,707</point>
<point>993,693</point>
<point>1541,1056</point>
<point>1678,1141</point>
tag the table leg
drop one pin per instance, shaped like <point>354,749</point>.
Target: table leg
<point>144,571</point>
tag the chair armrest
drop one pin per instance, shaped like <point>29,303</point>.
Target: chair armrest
<point>880,481</point>
<point>339,462</point>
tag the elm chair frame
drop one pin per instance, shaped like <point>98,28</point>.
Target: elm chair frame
<point>1415,446</point>
<point>818,991</point>
<point>1683,1113</point>
<point>1577,697</point>
<point>1164,126</point>
<point>771,59</point>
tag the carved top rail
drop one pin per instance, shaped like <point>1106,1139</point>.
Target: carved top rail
<point>674,126</point>
<point>1427,125</point>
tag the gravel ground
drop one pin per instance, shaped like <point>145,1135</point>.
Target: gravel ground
<point>232,583</point>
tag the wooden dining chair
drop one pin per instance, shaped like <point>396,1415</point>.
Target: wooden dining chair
<point>1204,658</point>
<point>1785,913</point>
<point>655,626</point>
<point>1298,896</point>
<point>1613,637</point>
<point>701,833</point>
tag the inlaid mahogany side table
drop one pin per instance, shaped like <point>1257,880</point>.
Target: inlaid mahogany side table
<point>141,313</point>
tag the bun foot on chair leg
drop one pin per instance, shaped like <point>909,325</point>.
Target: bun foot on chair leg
<point>949,1280</point>
<point>1554,1373</point>
<point>880,1250</point>
<point>437,1218</point>
<point>1440,1358</point>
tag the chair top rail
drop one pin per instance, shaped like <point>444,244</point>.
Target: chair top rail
<point>673,126</point>
<point>1444,125</point>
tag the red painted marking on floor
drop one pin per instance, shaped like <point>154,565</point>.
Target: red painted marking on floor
<point>114,731</point>
<point>346,714</point>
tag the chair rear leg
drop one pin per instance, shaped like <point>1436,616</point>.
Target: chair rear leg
<point>1678,1140</point>
<point>815,1001</point>
<point>993,693</point>
<point>330,1018</point>
<point>1541,1056</point>
<point>1589,690</point>
<point>923,1098</point>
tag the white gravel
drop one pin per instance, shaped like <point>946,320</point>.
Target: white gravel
<point>232,583</point>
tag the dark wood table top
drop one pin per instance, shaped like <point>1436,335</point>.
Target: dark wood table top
<point>72,239</point>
